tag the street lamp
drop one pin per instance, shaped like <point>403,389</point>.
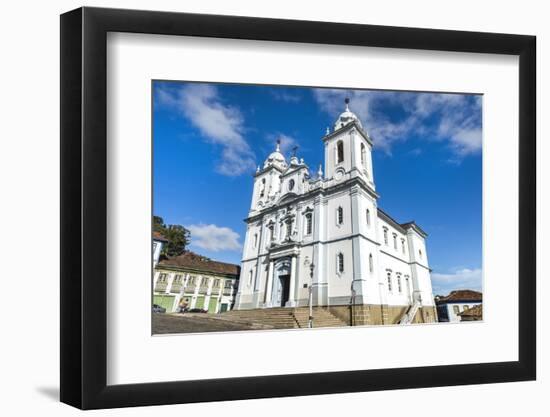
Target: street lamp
<point>310,302</point>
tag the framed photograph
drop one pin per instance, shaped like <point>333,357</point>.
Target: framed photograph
<point>257,208</point>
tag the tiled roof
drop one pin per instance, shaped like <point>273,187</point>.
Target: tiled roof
<point>199,263</point>
<point>461,295</point>
<point>475,311</point>
<point>159,237</point>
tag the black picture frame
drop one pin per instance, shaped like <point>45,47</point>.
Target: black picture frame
<point>84,207</point>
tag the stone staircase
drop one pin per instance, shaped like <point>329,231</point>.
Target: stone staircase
<point>283,318</point>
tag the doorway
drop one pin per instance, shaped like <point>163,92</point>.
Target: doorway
<point>283,290</point>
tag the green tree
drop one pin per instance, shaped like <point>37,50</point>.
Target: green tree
<point>178,236</point>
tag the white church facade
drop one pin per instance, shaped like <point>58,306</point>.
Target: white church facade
<point>323,239</point>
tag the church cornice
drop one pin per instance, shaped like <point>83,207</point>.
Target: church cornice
<point>347,127</point>
<point>339,187</point>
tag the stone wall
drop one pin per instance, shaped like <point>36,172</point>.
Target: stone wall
<point>372,314</point>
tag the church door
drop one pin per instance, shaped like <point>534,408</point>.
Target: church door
<point>283,290</point>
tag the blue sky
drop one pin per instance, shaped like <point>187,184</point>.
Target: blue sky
<point>209,138</point>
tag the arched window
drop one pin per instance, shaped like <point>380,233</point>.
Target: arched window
<point>389,282</point>
<point>339,215</point>
<point>403,245</point>
<point>309,225</point>
<point>250,276</point>
<point>262,188</point>
<point>255,240</point>
<point>399,284</point>
<point>339,152</point>
<point>371,264</point>
<point>340,260</point>
<point>368,217</point>
<point>420,253</point>
<point>395,241</point>
<point>385,235</point>
<point>363,155</point>
<point>271,233</point>
<point>289,229</point>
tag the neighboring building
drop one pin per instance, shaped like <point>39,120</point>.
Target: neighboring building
<point>158,242</point>
<point>200,282</point>
<point>360,255</point>
<point>450,306</point>
<point>472,314</point>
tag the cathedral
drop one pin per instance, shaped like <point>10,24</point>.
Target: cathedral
<point>322,240</point>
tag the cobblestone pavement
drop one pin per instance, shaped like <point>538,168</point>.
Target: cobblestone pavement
<point>191,323</point>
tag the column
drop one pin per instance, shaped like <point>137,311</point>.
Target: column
<point>291,299</point>
<point>269,284</point>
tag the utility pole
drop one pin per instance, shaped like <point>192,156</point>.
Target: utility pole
<point>310,301</point>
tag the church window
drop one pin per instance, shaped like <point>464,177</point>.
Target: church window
<point>395,241</point>
<point>291,185</point>
<point>289,228</point>
<point>389,282</point>
<point>262,188</point>
<point>399,284</point>
<point>368,217</point>
<point>371,265</point>
<point>255,240</point>
<point>386,235</point>
<point>339,152</point>
<point>403,245</point>
<point>250,276</point>
<point>363,153</point>
<point>271,233</point>
<point>420,253</point>
<point>340,259</point>
<point>339,215</point>
<point>309,224</point>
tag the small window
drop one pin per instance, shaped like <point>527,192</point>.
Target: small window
<point>255,240</point>
<point>339,152</point>
<point>289,228</point>
<point>420,253</point>
<point>271,233</point>
<point>363,152</point>
<point>162,278</point>
<point>205,282</point>
<point>250,278</point>
<point>399,284</point>
<point>385,235</point>
<point>340,215</point>
<point>403,245</point>
<point>291,184</point>
<point>456,309</point>
<point>340,259</point>
<point>371,264</point>
<point>309,225</point>
<point>216,283</point>
<point>228,283</point>
<point>177,279</point>
<point>390,289</point>
<point>368,217</point>
<point>395,241</point>
<point>262,188</point>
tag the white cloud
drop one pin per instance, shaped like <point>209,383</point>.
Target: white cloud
<point>218,123</point>
<point>470,279</point>
<point>214,238</point>
<point>454,118</point>
<point>284,95</point>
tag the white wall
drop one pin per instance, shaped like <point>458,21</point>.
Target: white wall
<point>30,74</point>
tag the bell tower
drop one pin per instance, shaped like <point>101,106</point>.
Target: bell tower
<point>348,149</point>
